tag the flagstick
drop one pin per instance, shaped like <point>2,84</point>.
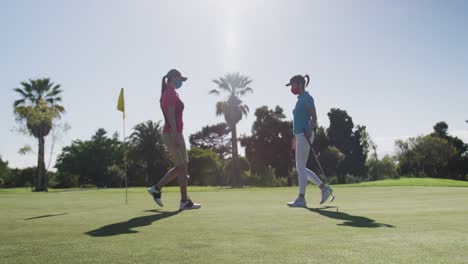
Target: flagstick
<point>125,162</point>
<point>121,107</point>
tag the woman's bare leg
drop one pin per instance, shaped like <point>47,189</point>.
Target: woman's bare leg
<point>182,176</point>
<point>168,177</point>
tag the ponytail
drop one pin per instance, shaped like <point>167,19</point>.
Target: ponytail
<point>306,80</point>
<point>163,84</point>
<point>301,80</point>
<point>163,88</point>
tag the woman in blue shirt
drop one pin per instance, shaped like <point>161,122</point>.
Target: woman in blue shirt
<point>305,122</point>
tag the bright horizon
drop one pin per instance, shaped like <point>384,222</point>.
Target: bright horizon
<point>395,67</point>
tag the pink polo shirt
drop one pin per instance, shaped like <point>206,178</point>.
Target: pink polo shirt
<point>170,98</point>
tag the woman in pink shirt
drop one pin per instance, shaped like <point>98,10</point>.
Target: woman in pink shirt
<point>173,108</point>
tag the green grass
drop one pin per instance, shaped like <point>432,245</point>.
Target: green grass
<point>413,182</point>
<point>366,225</point>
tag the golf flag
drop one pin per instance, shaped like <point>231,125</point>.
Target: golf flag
<point>121,108</point>
<point>121,102</point>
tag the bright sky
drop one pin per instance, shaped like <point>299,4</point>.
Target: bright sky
<point>397,67</point>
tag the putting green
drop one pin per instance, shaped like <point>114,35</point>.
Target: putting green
<point>363,225</point>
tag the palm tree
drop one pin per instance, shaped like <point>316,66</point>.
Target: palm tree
<point>234,85</point>
<point>147,144</point>
<point>37,108</point>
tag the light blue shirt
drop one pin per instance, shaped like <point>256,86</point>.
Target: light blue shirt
<point>301,113</point>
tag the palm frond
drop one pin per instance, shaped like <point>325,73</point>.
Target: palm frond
<point>33,99</point>
<point>246,81</point>
<point>158,125</point>
<point>214,91</point>
<point>18,102</point>
<point>53,100</point>
<point>27,87</point>
<point>244,91</point>
<point>59,108</point>
<point>36,87</point>
<point>55,91</point>
<point>45,85</point>
<point>223,84</point>
<point>20,91</point>
<point>244,109</point>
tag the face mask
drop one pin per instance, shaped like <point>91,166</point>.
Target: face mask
<point>295,91</point>
<point>178,84</point>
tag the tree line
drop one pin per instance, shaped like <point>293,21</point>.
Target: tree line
<point>346,151</point>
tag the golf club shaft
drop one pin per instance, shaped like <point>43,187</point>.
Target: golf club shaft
<point>323,177</point>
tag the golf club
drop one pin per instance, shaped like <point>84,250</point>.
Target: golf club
<point>323,177</point>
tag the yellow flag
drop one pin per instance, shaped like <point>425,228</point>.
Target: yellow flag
<point>121,102</point>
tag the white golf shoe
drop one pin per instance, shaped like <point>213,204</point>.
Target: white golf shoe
<point>299,202</point>
<point>326,192</point>
<point>189,205</point>
<point>156,193</point>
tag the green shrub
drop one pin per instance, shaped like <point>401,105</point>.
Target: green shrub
<point>351,179</point>
<point>204,167</point>
<point>65,180</point>
<point>267,178</point>
<point>332,180</point>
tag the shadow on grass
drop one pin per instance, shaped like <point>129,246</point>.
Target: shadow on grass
<point>44,216</point>
<point>349,220</point>
<point>127,226</point>
<point>74,190</point>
